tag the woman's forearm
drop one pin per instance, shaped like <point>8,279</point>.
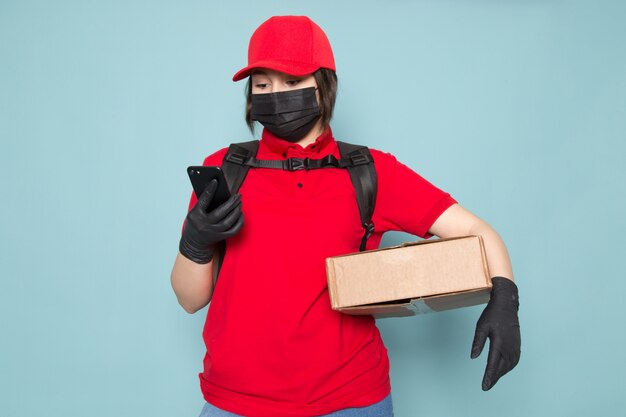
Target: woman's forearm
<point>458,221</point>
<point>497,254</point>
<point>192,283</point>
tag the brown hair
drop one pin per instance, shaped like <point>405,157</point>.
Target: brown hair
<point>326,80</point>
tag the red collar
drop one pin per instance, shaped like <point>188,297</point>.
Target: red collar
<point>288,149</point>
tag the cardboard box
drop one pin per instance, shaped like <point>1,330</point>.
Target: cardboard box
<point>411,278</point>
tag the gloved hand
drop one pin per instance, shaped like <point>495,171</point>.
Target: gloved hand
<point>204,230</point>
<point>500,323</point>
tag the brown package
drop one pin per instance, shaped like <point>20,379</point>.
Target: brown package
<point>411,278</point>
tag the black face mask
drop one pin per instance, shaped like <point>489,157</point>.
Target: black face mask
<point>287,114</point>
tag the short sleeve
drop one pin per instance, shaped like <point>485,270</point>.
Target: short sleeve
<point>215,159</point>
<point>405,201</point>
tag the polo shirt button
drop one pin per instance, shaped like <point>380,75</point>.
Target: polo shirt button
<point>300,184</point>
<point>284,153</point>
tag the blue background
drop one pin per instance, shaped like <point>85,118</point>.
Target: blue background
<point>517,108</point>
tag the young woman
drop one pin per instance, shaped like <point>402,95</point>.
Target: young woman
<point>274,345</point>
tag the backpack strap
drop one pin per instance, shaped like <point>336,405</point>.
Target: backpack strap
<point>356,158</point>
<point>290,164</point>
<point>236,163</point>
<point>235,168</point>
<point>364,179</point>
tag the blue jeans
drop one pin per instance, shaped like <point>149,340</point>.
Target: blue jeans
<point>383,408</point>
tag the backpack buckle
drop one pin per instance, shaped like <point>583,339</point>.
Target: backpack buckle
<point>296,164</point>
<point>359,159</point>
<point>236,158</point>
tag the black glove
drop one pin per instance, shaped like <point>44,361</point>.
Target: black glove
<point>204,230</point>
<point>500,323</point>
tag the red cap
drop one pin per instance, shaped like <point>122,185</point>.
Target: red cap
<point>294,45</point>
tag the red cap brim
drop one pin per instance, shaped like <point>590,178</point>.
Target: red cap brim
<point>288,67</point>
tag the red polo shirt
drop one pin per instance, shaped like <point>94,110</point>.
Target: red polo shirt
<point>274,346</point>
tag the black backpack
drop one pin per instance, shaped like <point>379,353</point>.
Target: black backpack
<point>355,158</point>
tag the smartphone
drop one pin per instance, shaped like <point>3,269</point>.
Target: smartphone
<point>201,176</point>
